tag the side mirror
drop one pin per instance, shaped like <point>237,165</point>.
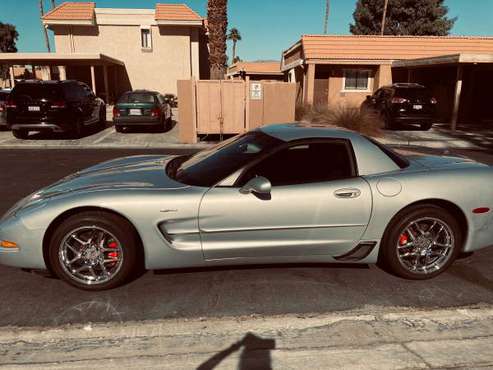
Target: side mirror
<point>258,185</point>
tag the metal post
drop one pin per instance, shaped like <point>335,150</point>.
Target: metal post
<point>63,73</point>
<point>93,79</point>
<point>106,84</point>
<point>310,84</point>
<point>12,77</point>
<point>458,90</point>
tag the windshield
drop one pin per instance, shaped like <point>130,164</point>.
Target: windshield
<point>210,166</point>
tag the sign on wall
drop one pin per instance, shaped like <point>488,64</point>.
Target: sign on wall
<point>256,91</point>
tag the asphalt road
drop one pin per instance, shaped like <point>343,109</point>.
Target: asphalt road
<point>28,299</point>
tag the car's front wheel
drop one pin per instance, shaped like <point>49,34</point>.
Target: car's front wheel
<point>421,242</point>
<point>94,251</point>
<point>20,134</point>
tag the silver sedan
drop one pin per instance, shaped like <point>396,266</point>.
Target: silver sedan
<point>278,194</point>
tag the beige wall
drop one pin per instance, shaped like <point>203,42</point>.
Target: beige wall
<point>159,69</point>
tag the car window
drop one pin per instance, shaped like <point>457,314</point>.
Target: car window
<point>37,91</point>
<point>305,163</point>
<point>208,167</point>
<point>137,98</point>
<point>413,93</point>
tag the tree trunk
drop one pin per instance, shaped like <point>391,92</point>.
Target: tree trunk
<point>217,73</point>
<point>217,16</point>
<point>45,31</point>
<point>234,51</point>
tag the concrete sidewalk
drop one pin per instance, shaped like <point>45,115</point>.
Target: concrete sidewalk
<point>393,339</point>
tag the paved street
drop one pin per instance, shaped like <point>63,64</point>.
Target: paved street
<point>28,299</point>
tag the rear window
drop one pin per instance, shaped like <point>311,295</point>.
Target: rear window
<point>397,158</point>
<point>37,91</point>
<point>137,98</point>
<point>413,93</point>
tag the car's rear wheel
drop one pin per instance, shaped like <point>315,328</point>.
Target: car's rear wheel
<point>102,117</point>
<point>94,251</point>
<point>20,134</point>
<point>421,242</point>
<point>119,128</point>
<point>425,126</point>
<point>78,130</point>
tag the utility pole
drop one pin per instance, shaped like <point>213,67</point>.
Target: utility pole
<point>53,5</point>
<point>47,40</point>
<point>326,21</point>
<point>384,16</point>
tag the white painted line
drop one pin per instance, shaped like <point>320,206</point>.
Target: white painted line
<point>111,130</point>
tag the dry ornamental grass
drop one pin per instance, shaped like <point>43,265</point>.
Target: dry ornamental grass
<point>349,117</point>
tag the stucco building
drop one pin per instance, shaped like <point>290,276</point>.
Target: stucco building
<point>115,50</point>
<point>256,71</point>
<point>337,70</point>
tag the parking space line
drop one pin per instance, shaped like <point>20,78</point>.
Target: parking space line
<point>111,130</point>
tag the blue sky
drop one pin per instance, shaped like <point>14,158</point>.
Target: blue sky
<point>267,26</point>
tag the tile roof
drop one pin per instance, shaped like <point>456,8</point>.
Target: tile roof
<point>391,47</point>
<point>71,11</point>
<point>175,12</point>
<point>257,67</point>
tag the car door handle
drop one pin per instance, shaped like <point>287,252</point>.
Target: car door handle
<point>347,193</point>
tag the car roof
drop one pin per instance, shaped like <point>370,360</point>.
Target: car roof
<point>47,82</point>
<point>406,85</point>
<point>300,130</point>
<point>142,91</point>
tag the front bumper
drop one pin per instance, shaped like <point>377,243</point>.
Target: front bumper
<point>29,253</point>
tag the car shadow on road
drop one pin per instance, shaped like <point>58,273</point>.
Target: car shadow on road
<point>255,354</point>
<point>471,275</point>
<point>259,267</point>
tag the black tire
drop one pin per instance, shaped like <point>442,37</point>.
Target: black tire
<point>425,126</point>
<point>388,256</point>
<point>20,134</point>
<point>102,117</point>
<point>78,130</point>
<point>119,128</point>
<point>122,230</point>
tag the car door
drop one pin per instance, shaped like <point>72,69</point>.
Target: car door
<point>317,206</point>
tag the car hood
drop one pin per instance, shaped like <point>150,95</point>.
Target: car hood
<point>130,172</point>
<point>440,162</point>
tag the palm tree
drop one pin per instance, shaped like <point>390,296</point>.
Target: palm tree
<point>217,18</point>
<point>42,12</point>
<point>235,36</point>
<point>326,19</point>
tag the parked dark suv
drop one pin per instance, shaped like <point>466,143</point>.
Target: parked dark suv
<point>56,106</point>
<point>402,104</point>
<point>142,108</point>
<point>4,94</point>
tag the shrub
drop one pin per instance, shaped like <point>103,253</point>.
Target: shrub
<point>348,117</point>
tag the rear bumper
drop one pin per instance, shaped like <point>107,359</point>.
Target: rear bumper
<point>42,126</point>
<point>413,119</point>
<point>137,121</point>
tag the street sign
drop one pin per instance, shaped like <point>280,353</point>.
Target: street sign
<point>256,91</point>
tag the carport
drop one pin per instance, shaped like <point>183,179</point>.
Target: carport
<point>106,75</point>
<point>461,83</point>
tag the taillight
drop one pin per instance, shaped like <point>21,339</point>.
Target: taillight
<point>1,108</point>
<point>10,104</point>
<point>155,112</point>
<point>58,104</point>
<point>397,100</point>
<point>433,101</point>
<point>116,112</point>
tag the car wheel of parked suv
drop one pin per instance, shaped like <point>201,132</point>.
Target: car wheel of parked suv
<point>20,134</point>
<point>102,117</point>
<point>426,126</point>
<point>119,128</point>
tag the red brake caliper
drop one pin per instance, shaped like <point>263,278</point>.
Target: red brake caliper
<point>113,245</point>
<point>403,239</point>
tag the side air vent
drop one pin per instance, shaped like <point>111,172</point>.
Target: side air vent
<point>361,251</point>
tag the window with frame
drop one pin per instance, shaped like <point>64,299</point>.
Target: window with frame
<point>146,38</point>
<point>356,80</point>
<point>306,162</point>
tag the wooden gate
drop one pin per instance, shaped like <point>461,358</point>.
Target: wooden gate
<point>232,106</point>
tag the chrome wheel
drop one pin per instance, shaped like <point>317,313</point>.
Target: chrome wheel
<point>425,245</point>
<point>90,255</point>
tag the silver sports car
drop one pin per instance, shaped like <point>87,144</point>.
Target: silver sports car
<point>279,194</point>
